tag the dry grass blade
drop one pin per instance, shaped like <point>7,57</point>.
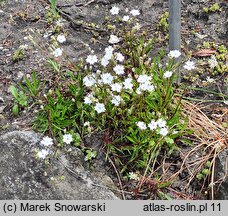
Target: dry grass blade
<point>210,139</point>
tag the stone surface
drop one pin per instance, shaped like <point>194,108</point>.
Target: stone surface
<point>63,177</point>
<point>221,175</point>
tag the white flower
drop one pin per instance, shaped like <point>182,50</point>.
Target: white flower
<point>46,141</point>
<point>86,124</point>
<point>106,78</point>
<point>213,62</point>
<point>107,56</point>
<point>141,125</point>
<point>152,125</point>
<point>116,100</point>
<point>161,123</point>
<point>87,100</point>
<point>99,107</point>
<point>67,138</point>
<point>138,91</point>
<point>46,35</point>
<point>116,87</point>
<point>128,83</point>
<point>98,72</point>
<point>91,59</point>
<point>89,80</point>
<point>189,65</point>
<point>43,153</point>
<point>114,10</point>
<point>210,80</point>
<point>137,26</point>
<point>174,54</point>
<point>143,78</point>
<point>168,74</point>
<point>113,39</point>
<point>57,52</point>
<point>163,131</point>
<point>134,12</point>
<point>133,176</point>
<point>126,18</point>
<point>105,61</point>
<point>119,69</point>
<point>146,86</point>
<point>119,57</point>
<point>61,38</point>
<point>108,52</point>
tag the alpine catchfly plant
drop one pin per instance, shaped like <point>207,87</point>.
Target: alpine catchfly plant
<point>133,96</point>
<point>124,91</point>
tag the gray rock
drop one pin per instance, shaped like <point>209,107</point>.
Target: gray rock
<point>5,30</point>
<point>221,192</point>
<point>22,176</point>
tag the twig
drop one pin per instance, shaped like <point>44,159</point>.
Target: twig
<point>118,176</point>
<point>88,3</point>
<point>76,5</point>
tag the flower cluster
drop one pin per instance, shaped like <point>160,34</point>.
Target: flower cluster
<point>47,142</point>
<point>160,126</point>
<point>115,81</point>
<point>58,51</point>
<point>145,84</point>
<point>115,11</point>
<point>126,87</point>
<point>134,176</point>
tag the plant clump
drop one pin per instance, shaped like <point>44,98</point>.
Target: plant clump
<point>126,92</point>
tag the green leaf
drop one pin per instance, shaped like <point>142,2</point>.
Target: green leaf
<point>169,140</point>
<point>14,91</point>
<point>206,171</point>
<point>15,110</point>
<point>199,176</point>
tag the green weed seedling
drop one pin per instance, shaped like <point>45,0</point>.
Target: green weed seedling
<point>63,109</point>
<point>213,8</point>
<point>204,172</point>
<point>18,55</point>
<point>52,14</point>
<point>54,65</point>
<point>31,87</point>
<point>90,154</point>
<point>20,99</point>
<point>163,23</point>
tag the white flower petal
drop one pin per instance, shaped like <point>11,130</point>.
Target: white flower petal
<point>99,107</point>
<point>46,141</point>
<point>135,12</point>
<point>174,54</point>
<point>114,10</point>
<point>141,125</point>
<point>42,153</point>
<point>167,74</point>
<point>61,38</point>
<point>113,39</point>
<point>57,52</point>
<point>67,138</point>
<point>119,69</point>
<point>91,59</point>
<point>189,65</point>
